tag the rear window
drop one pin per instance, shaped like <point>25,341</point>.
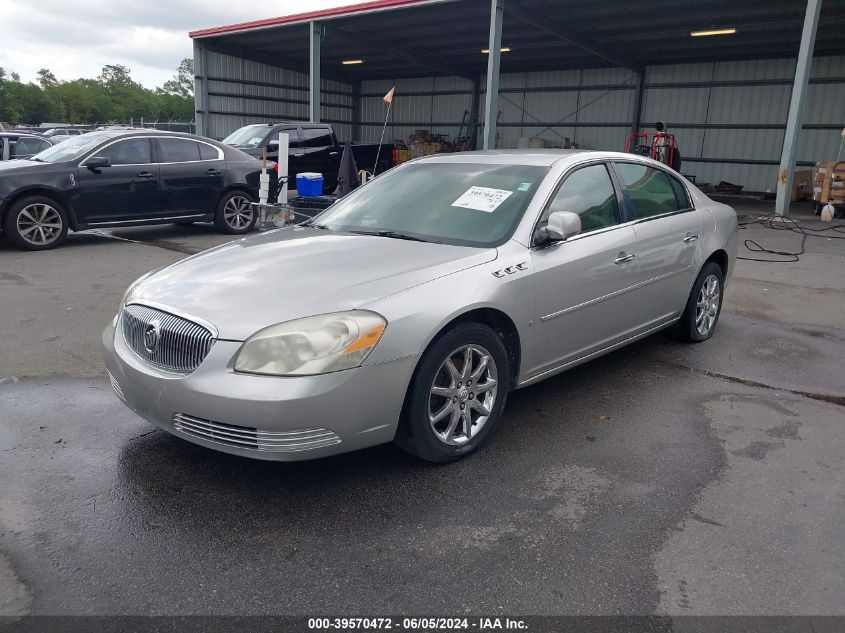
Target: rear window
<point>178,150</point>
<point>650,190</point>
<point>207,152</point>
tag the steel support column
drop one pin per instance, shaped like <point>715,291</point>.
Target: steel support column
<point>200,88</point>
<point>796,106</point>
<point>356,109</point>
<point>472,133</point>
<point>315,30</point>
<point>491,98</point>
<point>636,120</point>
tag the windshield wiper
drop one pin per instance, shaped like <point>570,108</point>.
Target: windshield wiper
<point>392,234</point>
<point>315,225</point>
<point>36,159</point>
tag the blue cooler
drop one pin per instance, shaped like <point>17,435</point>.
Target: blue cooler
<point>309,183</point>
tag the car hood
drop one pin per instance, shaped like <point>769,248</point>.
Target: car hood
<point>17,165</point>
<point>246,285</point>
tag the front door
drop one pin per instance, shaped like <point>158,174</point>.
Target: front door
<point>583,283</point>
<point>192,176</point>
<point>321,154</point>
<point>127,190</point>
<point>668,238</point>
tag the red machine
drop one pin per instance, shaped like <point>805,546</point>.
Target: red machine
<point>659,145</point>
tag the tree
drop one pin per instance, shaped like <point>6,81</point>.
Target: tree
<point>182,84</point>
<point>46,79</point>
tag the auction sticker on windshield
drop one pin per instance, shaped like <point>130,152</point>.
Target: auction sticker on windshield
<point>482,199</point>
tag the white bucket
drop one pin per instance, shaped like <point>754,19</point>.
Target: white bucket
<point>522,142</point>
<point>536,143</point>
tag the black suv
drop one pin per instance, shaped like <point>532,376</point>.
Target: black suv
<point>127,178</point>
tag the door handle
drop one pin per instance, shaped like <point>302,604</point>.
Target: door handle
<point>623,259</point>
<point>689,239</point>
<point>213,172</point>
<point>145,174</point>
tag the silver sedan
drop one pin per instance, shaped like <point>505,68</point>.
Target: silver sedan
<point>408,310</point>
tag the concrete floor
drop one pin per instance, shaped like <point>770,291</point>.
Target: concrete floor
<point>663,478</point>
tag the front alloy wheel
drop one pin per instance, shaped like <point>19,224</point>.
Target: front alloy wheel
<point>36,223</point>
<point>457,394</point>
<point>463,394</point>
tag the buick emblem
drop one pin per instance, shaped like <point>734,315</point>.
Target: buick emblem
<point>152,336</point>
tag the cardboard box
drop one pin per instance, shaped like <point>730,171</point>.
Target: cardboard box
<point>802,183</point>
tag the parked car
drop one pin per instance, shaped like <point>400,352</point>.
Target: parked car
<point>410,308</point>
<point>127,178</point>
<point>60,134</point>
<point>313,147</point>
<point>16,145</point>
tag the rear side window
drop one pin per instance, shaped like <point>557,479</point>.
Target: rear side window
<point>316,137</point>
<point>207,152</point>
<point>25,146</point>
<point>680,193</point>
<point>650,190</point>
<point>178,150</point>
<point>589,193</point>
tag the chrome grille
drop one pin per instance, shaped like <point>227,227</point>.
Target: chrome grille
<point>250,438</point>
<point>116,386</point>
<point>182,346</point>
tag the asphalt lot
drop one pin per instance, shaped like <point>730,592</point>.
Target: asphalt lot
<point>662,478</point>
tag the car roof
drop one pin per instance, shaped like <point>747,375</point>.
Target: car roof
<point>13,133</point>
<point>538,157</point>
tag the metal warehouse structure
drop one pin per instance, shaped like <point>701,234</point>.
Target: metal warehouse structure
<point>740,105</point>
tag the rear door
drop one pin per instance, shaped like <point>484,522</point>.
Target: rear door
<point>668,232</point>
<point>126,191</point>
<point>192,176</point>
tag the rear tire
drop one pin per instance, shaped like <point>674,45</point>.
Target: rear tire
<point>704,306</point>
<point>457,395</point>
<point>36,223</point>
<point>235,214</point>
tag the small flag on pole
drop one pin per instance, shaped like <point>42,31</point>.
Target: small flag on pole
<point>388,98</point>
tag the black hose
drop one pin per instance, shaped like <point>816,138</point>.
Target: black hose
<point>781,223</point>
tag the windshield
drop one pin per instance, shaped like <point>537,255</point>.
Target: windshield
<point>249,136</point>
<point>71,149</point>
<point>470,204</point>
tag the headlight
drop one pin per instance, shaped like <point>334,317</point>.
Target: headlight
<point>314,345</point>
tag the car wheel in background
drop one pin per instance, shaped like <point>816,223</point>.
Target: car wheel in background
<point>36,223</point>
<point>703,306</point>
<point>235,214</point>
<point>457,395</point>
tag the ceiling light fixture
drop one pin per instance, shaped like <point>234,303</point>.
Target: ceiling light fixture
<point>730,31</point>
<point>504,49</point>
<point>352,62</point>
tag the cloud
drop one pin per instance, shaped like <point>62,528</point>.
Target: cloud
<point>76,39</point>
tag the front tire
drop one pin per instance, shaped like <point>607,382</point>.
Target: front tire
<point>235,214</point>
<point>457,394</point>
<point>704,305</point>
<point>36,223</point>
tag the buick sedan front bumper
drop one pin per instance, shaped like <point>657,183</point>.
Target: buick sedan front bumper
<point>263,417</point>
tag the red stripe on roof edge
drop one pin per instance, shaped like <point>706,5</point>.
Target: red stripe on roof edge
<point>305,17</point>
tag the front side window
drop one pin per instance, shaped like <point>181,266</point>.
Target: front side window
<point>589,192</point>
<point>132,151</point>
<point>650,191</point>
<point>472,204</point>
<point>178,150</point>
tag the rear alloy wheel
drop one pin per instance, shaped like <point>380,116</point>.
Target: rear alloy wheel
<point>36,223</point>
<point>235,214</point>
<point>703,306</point>
<point>457,395</point>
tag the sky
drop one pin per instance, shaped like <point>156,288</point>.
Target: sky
<point>76,38</point>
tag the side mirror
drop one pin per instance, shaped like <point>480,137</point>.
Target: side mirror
<point>562,225</point>
<point>274,144</point>
<point>97,162</point>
